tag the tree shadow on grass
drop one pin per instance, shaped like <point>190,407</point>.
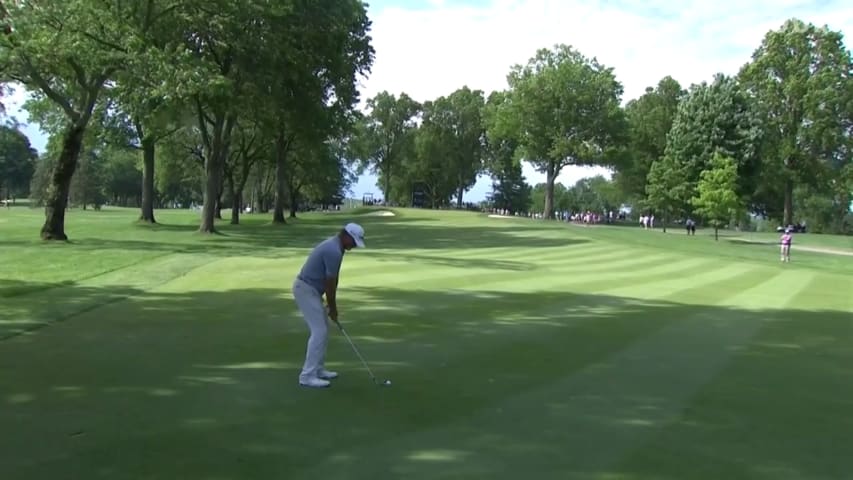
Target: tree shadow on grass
<point>485,384</point>
<point>484,263</point>
<point>258,238</point>
<point>757,243</point>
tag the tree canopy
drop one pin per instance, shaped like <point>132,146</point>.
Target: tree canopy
<point>170,104</point>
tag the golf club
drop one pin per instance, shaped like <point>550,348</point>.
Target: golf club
<point>384,382</point>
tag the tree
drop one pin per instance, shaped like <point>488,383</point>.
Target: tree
<point>17,163</point>
<point>510,190</point>
<point>65,52</point>
<point>249,149</point>
<point>800,79</point>
<point>596,194</point>
<point>650,119</point>
<point>717,199</point>
<point>221,61</point>
<point>331,176</point>
<point>432,164</point>
<point>667,188</point>
<point>179,171</point>
<point>715,117</point>
<point>121,176</point>
<point>88,184</point>
<point>386,135</point>
<point>311,89</point>
<point>463,119</point>
<point>563,199</point>
<point>564,109</point>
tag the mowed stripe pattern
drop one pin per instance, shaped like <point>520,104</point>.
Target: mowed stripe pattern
<point>566,360</point>
<point>521,349</point>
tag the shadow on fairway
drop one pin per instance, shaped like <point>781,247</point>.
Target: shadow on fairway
<point>759,243</point>
<point>486,384</point>
<point>484,263</point>
<point>261,239</point>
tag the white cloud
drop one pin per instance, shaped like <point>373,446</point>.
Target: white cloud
<point>429,52</point>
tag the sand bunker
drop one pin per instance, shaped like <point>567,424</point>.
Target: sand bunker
<point>381,213</point>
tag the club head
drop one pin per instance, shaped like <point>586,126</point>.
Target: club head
<point>386,383</point>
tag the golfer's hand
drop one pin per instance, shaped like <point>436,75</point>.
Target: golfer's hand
<point>333,314</point>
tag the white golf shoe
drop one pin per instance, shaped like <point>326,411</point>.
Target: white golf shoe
<point>327,374</point>
<point>314,382</point>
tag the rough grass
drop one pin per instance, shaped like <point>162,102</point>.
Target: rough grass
<point>515,347</point>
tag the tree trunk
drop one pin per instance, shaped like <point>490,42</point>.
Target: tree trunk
<point>663,220</point>
<point>56,200</point>
<point>236,205</point>
<point>280,191</point>
<point>258,196</point>
<point>716,229</point>
<point>459,193</point>
<point>788,217</point>
<point>147,214</point>
<point>216,144</point>
<point>213,168</point>
<point>280,179</point>
<point>550,178</point>
<point>387,190</point>
<point>294,202</point>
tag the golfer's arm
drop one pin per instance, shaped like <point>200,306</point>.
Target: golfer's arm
<point>331,291</point>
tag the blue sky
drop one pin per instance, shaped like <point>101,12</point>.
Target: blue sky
<point>429,48</point>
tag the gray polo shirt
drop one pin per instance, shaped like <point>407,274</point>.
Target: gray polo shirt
<point>324,261</point>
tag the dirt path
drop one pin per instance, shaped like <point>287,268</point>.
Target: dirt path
<point>804,248</point>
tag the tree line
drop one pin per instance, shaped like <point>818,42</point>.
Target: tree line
<point>228,103</point>
<point>216,94</point>
<point>776,135</point>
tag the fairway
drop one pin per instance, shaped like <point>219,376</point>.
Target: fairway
<point>516,348</point>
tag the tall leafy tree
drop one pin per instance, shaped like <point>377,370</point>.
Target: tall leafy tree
<point>312,88</point>
<point>17,163</point>
<point>667,188</point>
<point>565,110</point>
<point>386,135</point>
<point>221,62</point>
<point>714,117</point>
<point>331,176</point>
<point>510,189</point>
<point>249,148</point>
<point>800,79</point>
<point>432,164</point>
<point>563,199</point>
<point>65,52</point>
<point>462,118</point>
<point>650,119</point>
<point>596,194</point>
<point>716,194</point>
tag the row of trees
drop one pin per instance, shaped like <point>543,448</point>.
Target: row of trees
<point>221,92</point>
<point>785,122</point>
<point>225,100</point>
<point>561,109</point>
<point>780,133</point>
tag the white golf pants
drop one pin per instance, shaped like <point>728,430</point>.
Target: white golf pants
<point>310,303</point>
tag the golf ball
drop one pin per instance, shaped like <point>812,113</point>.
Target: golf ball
<point>387,382</point>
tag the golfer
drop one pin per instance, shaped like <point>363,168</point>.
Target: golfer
<point>319,276</point>
<point>786,240</point>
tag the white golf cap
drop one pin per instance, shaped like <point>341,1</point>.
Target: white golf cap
<point>356,232</point>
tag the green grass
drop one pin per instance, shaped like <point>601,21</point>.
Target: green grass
<point>515,348</point>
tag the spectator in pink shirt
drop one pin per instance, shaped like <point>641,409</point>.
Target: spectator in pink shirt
<point>786,239</point>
